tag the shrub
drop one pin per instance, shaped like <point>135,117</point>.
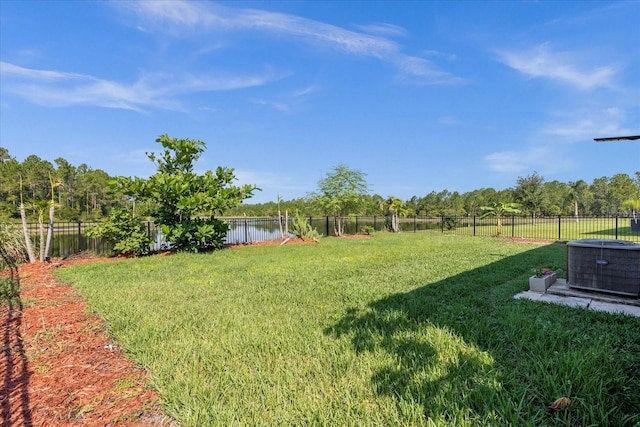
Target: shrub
<point>126,233</point>
<point>450,222</point>
<point>367,229</point>
<point>12,250</point>
<point>302,229</point>
<point>12,253</point>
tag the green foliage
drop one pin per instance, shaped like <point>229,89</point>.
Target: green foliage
<point>498,209</point>
<point>632,205</point>
<point>126,233</point>
<point>529,192</point>
<point>340,194</point>
<point>451,222</point>
<point>401,330</point>
<point>9,289</point>
<point>12,247</point>
<point>185,204</point>
<point>395,208</point>
<point>83,193</point>
<point>301,228</point>
<point>12,253</point>
<point>367,229</point>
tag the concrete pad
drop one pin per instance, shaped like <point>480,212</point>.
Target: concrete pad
<point>615,308</point>
<point>554,299</point>
<point>571,302</point>
<point>534,296</point>
<point>580,302</point>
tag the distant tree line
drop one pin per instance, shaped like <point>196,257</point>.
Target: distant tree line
<point>83,193</point>
<point>604,196</point>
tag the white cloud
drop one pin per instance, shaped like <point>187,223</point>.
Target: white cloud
<point>506,161</point>
<point>517,161</point>
<point>62,89</point>
<point>181,17</point>
<point>12,69</point>
<point>276,105</point>
<point>599,123</point>
<point>420,71</point>
<point>383,29</point>
<point>564,67</point>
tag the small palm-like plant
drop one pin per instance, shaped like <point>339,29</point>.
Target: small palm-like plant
<point>396,208</point>
<point>633,205</point>
<point>498,209</point>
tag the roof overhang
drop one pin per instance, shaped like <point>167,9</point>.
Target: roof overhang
<point>617,138</point>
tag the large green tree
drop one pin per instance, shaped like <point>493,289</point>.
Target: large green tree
<point>621,188</point>
<point>578,194</point>
<point>341,194</point>
<point>185,204</point>
<point>529,192</point>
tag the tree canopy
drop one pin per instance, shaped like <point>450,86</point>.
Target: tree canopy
<point>83,193</point>
<point>184,204</point>
<point>341,193</point>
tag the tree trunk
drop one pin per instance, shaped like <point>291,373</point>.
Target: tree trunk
<point>337,226</point>
<point>27,238</point>
<point>286,223</point>
<point>41,225</point>
<point>48,248</point>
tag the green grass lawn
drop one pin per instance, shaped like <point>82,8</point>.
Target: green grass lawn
<point>409,329</point>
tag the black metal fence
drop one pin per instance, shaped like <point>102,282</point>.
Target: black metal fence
<point>70,237</point>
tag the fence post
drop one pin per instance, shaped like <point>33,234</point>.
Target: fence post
<point>616,226</point>
<point>374,223</point>
<point>474,225</point>
<point>559,226</point>
<point>327,223</point>
<point>513,226</point>
<point>79,237</point>
<point>356,224</point>
<point>442,224</point>
<point>415,224</point>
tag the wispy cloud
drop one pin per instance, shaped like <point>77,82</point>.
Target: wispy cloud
<point>62,89</point>
<point>449,121</point>
<point>280,106</point>
<point>518,161</point>
<point>420,71</point>
<point>383,29</point>
<point>180,17</point>
<point>600,123</point>
<point>564,67</point>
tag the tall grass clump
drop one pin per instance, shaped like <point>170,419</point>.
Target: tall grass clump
<point>398,329</point>
<point>12,253</point>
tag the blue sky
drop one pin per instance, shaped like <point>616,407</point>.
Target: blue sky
<point>420,96</point>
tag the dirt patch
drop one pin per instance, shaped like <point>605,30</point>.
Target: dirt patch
<point>59,367</point>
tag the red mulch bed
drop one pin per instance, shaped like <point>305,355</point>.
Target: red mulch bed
<point>58,365</point>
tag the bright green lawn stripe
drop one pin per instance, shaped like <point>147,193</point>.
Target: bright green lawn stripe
<point>410,329</point>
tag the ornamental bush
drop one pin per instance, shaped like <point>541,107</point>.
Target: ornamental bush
<point>126,233</point>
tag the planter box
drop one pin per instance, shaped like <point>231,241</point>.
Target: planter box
<point>541,284</point>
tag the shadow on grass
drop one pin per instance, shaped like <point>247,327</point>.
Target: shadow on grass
<point>457,345</point>
<point>622,233</point>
